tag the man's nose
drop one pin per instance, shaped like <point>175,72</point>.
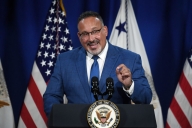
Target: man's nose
<point>91,37</point>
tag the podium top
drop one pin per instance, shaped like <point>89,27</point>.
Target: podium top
<point>75,115</point>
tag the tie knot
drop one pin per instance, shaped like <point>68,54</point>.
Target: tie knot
<point>95,57</point>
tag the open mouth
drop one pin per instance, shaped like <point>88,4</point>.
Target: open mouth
<point>93,45</point>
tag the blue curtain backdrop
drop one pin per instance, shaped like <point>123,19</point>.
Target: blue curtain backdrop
<point>165,26</point>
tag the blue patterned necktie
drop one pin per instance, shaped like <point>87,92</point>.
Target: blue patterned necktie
<point>94,72</point>
<point>94,68</point>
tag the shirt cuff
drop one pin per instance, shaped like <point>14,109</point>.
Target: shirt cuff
<point>130,91</point>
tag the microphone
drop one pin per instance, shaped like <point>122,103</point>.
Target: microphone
<point>110,87</point>
<point>95,87</point>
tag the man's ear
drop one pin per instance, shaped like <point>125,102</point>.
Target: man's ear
<point>106,30</point>
<point>78,34</point>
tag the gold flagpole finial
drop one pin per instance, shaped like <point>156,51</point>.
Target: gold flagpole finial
<point>62,6</point>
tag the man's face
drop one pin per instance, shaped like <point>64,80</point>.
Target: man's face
<point>92,35</point>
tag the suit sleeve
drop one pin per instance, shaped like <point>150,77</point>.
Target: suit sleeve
<point>142,93</point>
<point>54,92</point>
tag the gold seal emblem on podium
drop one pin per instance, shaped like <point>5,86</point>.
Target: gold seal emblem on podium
<point>103,114</point>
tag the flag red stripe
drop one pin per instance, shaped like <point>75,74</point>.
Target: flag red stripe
<point>167,125</point>
<point>36,95</point>
<point>26,117</point>
<point>179,115</point>
<point>185,86</point>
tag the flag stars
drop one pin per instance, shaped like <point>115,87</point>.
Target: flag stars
<point>61,47</point>
<point>54,2</point>
<point>53,29</point>
<point>64,39</point>
<point>44,36</point>
<point>121,27</point>
<point>49,19</point>
<point>42,45</point>
<point>51,10</point>
<point>39,54</point>
<point>59,29</point>
<point>45,54</point>
<point>50,63</point>
<point>67,31</point>
<point>55,20</point>
<point>48,46</point>
<point>63,13</point>
<point>54,47</point>
<point>43,63</point>
<point>48,72</point>
<point>60,21</point>
<point>50,37</point>
<point>53,54</point>
<point>70,48</point>
<point>190,58</point>
<point>46,28</point>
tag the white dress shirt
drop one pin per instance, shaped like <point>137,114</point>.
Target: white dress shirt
<point>101,62</point>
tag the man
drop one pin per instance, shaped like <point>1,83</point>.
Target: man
<point>72,70</point>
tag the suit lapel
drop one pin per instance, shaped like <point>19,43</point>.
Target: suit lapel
<point>82,72</point>
<point>108,69</point>
<point>111,58</point>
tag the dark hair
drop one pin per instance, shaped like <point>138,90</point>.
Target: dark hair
<point>90,14</point>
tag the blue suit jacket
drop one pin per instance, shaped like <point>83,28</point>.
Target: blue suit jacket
<point>70,78</point>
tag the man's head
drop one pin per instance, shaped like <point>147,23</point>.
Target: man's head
<point>92,32</point>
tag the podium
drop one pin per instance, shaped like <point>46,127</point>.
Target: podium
<point>75,116</point>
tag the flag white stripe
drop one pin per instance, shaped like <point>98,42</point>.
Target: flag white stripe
<point>183,103</point>
<point>172,121</point>
<point>188,71</point>
<point>38,78</point>
<point>33,111</point>
<point>21,123</point>
<point>30,103</point>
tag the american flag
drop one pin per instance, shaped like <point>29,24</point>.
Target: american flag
<point>55,39</point>
<point>180,110</point>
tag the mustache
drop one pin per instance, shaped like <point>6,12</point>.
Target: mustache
<point>93,42</point>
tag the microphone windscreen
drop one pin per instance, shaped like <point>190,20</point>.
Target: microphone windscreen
<point>94,78</point>
<point>109,79</point>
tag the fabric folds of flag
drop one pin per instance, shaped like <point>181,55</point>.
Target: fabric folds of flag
<point>126,34</point>
<point>55,39</point>
<point>6,111</point>
<point>180,110</point>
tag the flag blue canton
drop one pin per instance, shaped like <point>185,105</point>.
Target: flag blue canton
<point>55,40</point>
<point>189,58</point>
